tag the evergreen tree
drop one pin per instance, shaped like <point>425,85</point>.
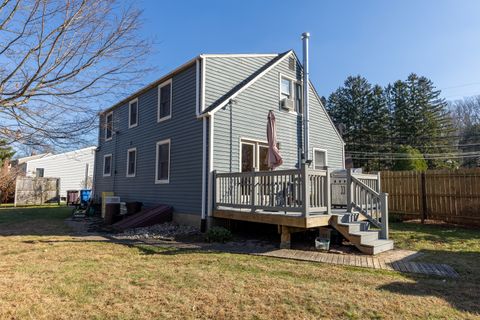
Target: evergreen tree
<point>420,118</point>
<point>6,152</point>
<point>348,106</point>
<point>377,129</point>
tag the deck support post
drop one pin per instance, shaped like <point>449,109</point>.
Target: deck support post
<point>252,189</point>
<point>349,190</point>
<point>285,238</point>
<point>328,193</point>
<point>305,191</point>
<point>384,210</point>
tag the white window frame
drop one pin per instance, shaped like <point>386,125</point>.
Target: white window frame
<point>168,82</point>
<point>106,126</point>
<point>128,161</point>
<point>322,150</point>
<point>256,151</point>
<point>111,164</point>
<point>159,143</point>
<point>292,89</point>
<point>130,113</point>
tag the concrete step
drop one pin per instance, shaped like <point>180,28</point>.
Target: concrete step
<point>376,246</point>
<point>365,236</point>
<point>358,233</point>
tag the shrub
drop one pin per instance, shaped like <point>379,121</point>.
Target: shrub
<point>412,159</point>
<point>218,234</point>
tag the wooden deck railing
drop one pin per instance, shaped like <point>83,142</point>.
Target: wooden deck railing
<point>296,190</point>
<point>363,195</point>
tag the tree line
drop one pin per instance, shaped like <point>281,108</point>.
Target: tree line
<point>405,125</point>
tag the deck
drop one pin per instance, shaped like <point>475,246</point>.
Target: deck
<point>300,199</point>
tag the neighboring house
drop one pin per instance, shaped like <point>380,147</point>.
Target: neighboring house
<point>73,168</point>
<point>21,163</point>
<point>174,141</point>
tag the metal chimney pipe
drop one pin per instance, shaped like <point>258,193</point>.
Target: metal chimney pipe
<point>306,129</point>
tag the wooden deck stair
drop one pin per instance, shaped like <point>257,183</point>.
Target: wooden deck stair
<point>358,233</point>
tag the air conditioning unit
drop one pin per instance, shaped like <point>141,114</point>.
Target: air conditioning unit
<point>287,104</point>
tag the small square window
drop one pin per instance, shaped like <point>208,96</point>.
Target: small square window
<point>133,114</point>
<point>107,165</point>
<point>320,159</point>
<point>39,172</point>
<point>131,162</point>
<point>286,87</point>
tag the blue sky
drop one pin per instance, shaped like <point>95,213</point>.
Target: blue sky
<point>381,40</point>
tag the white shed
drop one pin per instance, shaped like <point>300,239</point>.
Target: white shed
<point>74,168</point>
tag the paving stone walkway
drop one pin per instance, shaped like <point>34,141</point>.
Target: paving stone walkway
<point>394,260</point>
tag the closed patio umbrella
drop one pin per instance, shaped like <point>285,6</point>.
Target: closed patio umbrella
<point>274,159</point>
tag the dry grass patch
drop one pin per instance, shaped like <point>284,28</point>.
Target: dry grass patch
<point>62,277</point>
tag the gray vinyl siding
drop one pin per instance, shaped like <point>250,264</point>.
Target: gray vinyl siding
<point>247,119</point>
<point>185,131</point>
<point>223,74</point>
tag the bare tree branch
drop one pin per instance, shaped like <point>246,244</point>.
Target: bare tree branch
<point>61,62</point>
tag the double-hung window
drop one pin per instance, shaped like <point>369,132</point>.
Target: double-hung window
<point>131,162</point>
<point>165,101</point>
<point>162,168</point>
<point>107,165</point>
<point>133,113</point>
<point>286,88</point>
<point>109,126</point>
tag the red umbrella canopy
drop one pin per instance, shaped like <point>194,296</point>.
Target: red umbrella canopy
<point>274,159</point>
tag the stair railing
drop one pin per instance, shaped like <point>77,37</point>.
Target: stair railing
<point>370,203</point>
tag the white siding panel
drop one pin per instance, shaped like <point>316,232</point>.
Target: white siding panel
<point>70,167</point>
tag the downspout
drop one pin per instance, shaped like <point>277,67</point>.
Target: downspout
<point>306,129</point>
<point>203,222</point>
<point>210,164</point>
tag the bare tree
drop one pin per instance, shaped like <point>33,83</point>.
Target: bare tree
<point>466,112</point>
<point>61,61</point>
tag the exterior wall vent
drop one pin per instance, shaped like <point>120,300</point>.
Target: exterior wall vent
<point>291,63</point>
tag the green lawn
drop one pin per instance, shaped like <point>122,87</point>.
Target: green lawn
<point>48,274</point>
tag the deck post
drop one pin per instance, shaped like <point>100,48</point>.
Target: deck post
<point>216,189</point>
<point>328,193</point>
<point>252,190</point>
<point>285,238</point>
<point>379,185</point>
<point>349,190</point>
<point>305,190</point>
<point>384,209</point>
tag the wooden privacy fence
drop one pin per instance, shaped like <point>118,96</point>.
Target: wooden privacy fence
<point>36,191</point>
<point>448,195</point>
